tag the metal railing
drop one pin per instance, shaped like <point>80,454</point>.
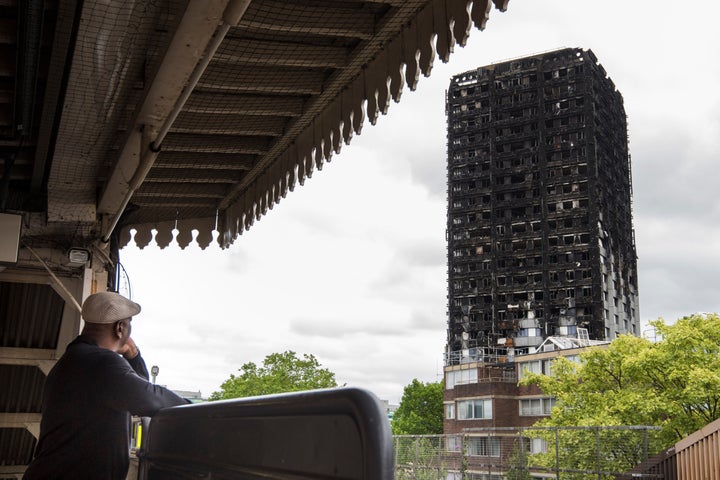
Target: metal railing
<point>567,453</point>
<point>478,355</point>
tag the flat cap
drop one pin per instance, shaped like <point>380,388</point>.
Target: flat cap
<point>108,307</point>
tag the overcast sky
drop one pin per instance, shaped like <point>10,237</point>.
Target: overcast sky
<point>351,266</point>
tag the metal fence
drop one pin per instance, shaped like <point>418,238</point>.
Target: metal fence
<point>567,453</point>
<point>695,457</point>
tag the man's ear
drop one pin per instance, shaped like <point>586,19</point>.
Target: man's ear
<point>118,329</point>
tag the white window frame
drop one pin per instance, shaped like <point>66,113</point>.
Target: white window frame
<point>483,446</point>
<point>536,407</point>
<point>460,377</point>
<point>536,445</point>
<point>474,409</point>
<point>533,366</point>
<point>453,443</point>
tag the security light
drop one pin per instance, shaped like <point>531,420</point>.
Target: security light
<point>78,256</point>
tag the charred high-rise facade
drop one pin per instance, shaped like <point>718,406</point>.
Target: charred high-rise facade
<point>540,234</point>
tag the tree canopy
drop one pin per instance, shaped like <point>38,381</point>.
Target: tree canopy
<point>420,411</point>
<point>279,373</point>
<point>673,383</point>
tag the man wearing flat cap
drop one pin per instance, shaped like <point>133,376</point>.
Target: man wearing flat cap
<point>89,396</point>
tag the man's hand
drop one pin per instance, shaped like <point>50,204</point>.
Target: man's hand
<point>129,350</point>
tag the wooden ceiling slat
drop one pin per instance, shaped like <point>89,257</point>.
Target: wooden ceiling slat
<point>192,175</point>
<point>175,142</point>
<point>262,80</point>
<point>228,103</point>
<point>348,20</point>
<point>216,161</point>
<point>393,3</point>
<point>181,190</point>
<point>243,51</point>
<point>180,203</point>
<point>213,123</point>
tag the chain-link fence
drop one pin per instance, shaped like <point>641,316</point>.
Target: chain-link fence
<point>567,453</point>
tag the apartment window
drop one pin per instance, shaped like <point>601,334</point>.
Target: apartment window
<point>460,377</point>
<point>535,407</point>
<point>479,476</point>
<point>535,445</point>
<point>484,446</point>
<point>474,409</point>
<point>453,443</point>
<point>450,411</point>
<point>534,366</point>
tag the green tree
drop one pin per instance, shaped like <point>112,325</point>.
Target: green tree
<point>280,372</point>
<point>673,383</point>
<point>420,411</point>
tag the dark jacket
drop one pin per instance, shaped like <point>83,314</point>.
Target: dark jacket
<point>88,398</point>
